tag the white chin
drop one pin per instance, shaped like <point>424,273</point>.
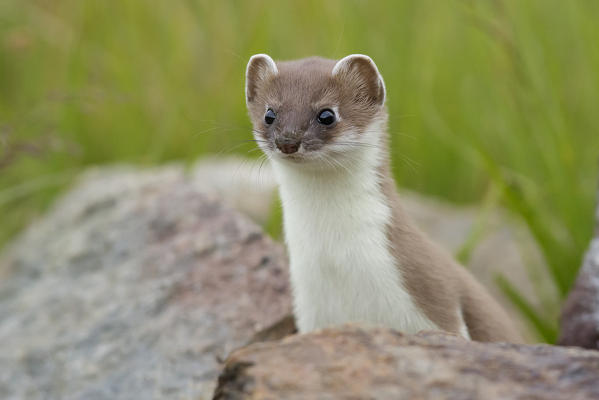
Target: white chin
<point>292,157</point>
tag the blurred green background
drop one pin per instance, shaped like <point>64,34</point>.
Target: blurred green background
<point>488,99</point>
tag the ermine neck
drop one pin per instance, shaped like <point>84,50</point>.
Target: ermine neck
<point>324,205</point>
<point>337,182</point>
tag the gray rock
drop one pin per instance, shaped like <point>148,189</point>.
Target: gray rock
<point>246,185</point>
<point>579,323</point>
<point>133,287</point>
<point>359,363</point>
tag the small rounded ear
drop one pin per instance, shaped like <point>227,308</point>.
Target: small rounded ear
<point>260,68</point>
<point>361,72</point>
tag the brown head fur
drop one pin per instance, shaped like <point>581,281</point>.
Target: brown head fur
<point>297,91</point>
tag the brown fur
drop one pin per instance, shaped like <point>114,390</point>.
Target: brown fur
<point>442,289</point>
<point>438,283</point>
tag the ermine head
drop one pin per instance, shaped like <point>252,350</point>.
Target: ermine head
<point>315,110</point>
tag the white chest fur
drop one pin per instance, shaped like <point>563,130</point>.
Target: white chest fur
<point>341,268</point>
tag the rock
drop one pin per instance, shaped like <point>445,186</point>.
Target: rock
<point>133,287</point>
<point>246,185</point>
<point>579,323</point>
<point>278,330</point>
<point>359,363</point>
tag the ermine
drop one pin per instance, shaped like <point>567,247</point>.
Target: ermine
<point>355,256</point>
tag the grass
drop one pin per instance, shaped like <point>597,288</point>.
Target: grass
<point>485,96</point>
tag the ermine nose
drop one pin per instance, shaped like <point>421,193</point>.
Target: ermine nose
<point>288,145</point>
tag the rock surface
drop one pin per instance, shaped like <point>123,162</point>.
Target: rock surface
<point>579,323</point>
<point>133,287</point>
<point>359,363</point>
<point>246,185</point>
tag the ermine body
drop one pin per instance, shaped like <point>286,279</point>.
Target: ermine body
<point>355,256</point>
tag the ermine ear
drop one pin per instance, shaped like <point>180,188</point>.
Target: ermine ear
<point>260,68</point>
<point>361,72</point>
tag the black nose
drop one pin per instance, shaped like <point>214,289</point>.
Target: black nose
<point>288,145</point>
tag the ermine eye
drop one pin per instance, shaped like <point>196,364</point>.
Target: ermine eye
<point>270,116</point>
<point>326,117</point>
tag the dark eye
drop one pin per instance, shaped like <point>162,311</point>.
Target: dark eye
<point>326,117</point>
<point>270,116</point>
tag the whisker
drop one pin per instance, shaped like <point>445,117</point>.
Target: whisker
<point>391,133</point>
<point>253,167</point>
<point>398,133</point>
<point>413,165</point>
<point>238,145</point>
<point>254,149</point>
<point>264,158</point>
<point>203,132</point>
<point>254,140</point>
<point>357,144</point>
<point>322,157</point>
<point>215,127</point>
<point>338,164</point>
